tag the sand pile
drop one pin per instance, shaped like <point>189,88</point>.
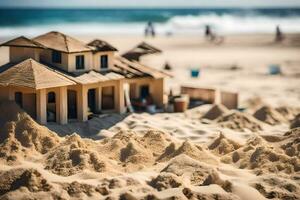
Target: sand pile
<point>259,155</point>
<point>187,148</point>
<point>239,121</point>
<point>21,136</point>
<point>291,143</point>
<point>216,111</point>
<point>269,115</point>
<point>190,194</point>
<point>196,172</point>
<point>295,122</point>
<point>274,187</point>
<point>223,145</point>
<point>134,154</point>
<point>15,179</point>
<point>165,181</point>
<point>288,112</point>
<point>74,155</point>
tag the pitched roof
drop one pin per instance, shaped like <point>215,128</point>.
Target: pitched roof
<point>145,47</point>
<point>140,50</point>
<point>61,42</point>
<point>30,73</point>
<point>135,69</point>
<point>94,77</point>
<point>101,45</point>
<point>22,42</point>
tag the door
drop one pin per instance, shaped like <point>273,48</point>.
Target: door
<point>72,104</point>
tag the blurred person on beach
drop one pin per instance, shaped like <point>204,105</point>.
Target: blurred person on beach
<point>278,34</point>
<point>212,37</point>
<point>208,33</point>
<point>150,30</point>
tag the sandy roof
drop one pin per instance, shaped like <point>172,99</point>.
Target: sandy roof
<point>101,45</point>
<point>145,47</point>
<point>22,42</point>
<point>122,65</point>
<point>96,77</point>
<point>140,50</point>
<point>136,69</point>
<point>30,73</point>
<point>61,42</point>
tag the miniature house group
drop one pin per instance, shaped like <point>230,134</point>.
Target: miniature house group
<point>56,78</point>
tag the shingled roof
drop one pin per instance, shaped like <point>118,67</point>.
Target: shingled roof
<point>22,42</point>
<point>61,42</point>
<point>140,50</point>
<point>101,45</point>
<point>132,69</point>
<point>30,73</point>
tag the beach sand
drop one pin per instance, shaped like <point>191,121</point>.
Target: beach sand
<point>238,155</point>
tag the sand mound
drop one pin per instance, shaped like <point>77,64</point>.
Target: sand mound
<point>16,178</point>
<point>197,172</point>
<point>73,156</point>
<point>77,190</point>
<point>291,143</point>
<point>15,123</point>
<point>187,148</point>
<point>296,122</point>
<point>239,121</point>
<point>11,150</point>
<point>165,181</point>
<point>216,111</point>
<point>269,115</point>
<point>257,154</point>
<point>190,194</point>
<point>288,112</point>
<point>134,153</point>
<point>223,145</point>
<point>274,187</point>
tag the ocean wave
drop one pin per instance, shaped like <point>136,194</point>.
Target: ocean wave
<point>187,24</point>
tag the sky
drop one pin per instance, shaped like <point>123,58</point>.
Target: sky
<point>149,3</point>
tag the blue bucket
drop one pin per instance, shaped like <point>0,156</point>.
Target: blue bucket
<point>195,73</point>
<point>274,69</point>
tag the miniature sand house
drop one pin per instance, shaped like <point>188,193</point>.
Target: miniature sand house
<point>57,78</point>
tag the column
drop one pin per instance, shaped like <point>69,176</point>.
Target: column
<point>41,106</point>
<point>63,105</point>
<point>120,97</point>
<point>99,98</point>
<point>82,104</point>
<point>11,94</point>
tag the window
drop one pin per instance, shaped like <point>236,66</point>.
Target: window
<point>104,62</point>
<point>56,56</point>
<point>80,62</point>
<point>19,99</point>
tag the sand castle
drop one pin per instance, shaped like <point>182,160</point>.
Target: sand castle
<point>57,78</point>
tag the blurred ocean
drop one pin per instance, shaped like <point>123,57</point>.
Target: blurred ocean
<point>32,22</point>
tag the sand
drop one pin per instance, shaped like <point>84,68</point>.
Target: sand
<point>208,152</point>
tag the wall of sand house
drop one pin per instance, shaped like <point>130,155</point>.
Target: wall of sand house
<point>82,97</point>
<point>96,59</point>
<point>34,102</point>
<point>17,54</point>
<point>88,61</point>
<point>46,57</point>
<point>156,87</point>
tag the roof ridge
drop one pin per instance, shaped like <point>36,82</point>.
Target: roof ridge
<point>65,40</point>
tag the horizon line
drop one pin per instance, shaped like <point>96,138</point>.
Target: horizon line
<point>148,7</point>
